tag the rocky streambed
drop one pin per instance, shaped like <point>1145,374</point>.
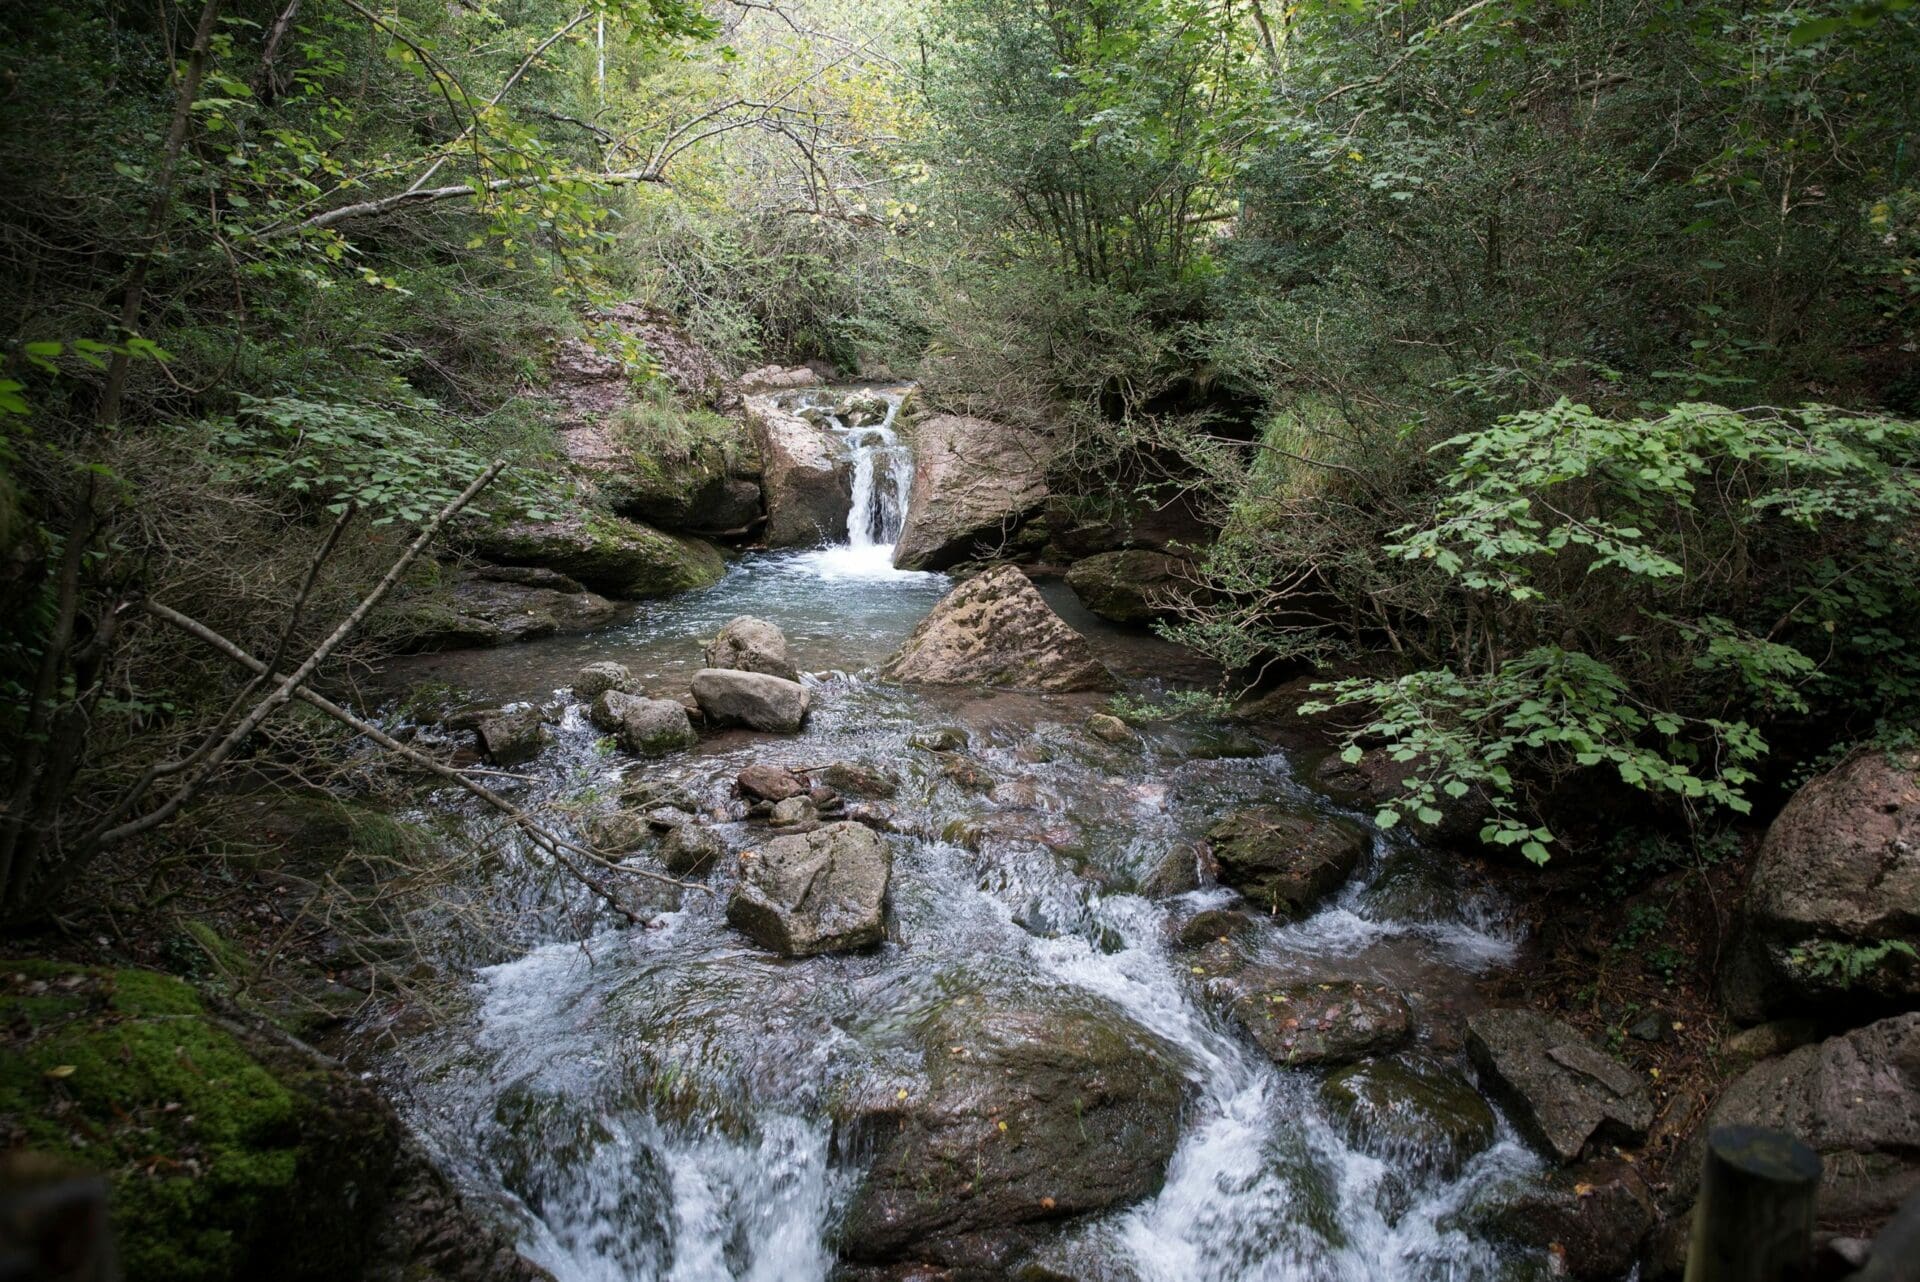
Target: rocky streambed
<point>968,982</point>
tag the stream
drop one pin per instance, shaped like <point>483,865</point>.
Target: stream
<point>660,1102</point>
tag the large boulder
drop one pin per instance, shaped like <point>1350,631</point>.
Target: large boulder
<point>1285,860</point>
<point>494,605</point>
<point>973,484</point>
<point>1303,1024</point>
<point>808,484</point>
<point>1563,1094</point>
<point>1135,586</point>
<point>751,699</point>
<point>1029,1114</point>
<point>606,553</point>
<point>748,644</point>
<point>1837,880</point>
<point>816,892</point>
<point>1415,1112</point>
<point>1855,1099</point>
<point>996,629</point>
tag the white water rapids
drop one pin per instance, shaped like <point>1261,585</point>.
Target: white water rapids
<point>652,1105</point>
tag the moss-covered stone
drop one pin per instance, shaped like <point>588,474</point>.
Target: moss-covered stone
<point>221,1146</point>
<point>606,553</point>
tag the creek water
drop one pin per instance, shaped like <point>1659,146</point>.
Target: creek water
<point>658,1103</point>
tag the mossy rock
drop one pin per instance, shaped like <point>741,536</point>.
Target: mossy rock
<point>606,553</point>
<point>1411,1110</point>
<point>223,1145</point>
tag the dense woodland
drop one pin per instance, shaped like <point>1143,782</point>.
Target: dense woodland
<point>1545,373</point>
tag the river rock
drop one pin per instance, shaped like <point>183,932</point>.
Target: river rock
<point>793,812</point>
<point>939,739</point>
<point>617,832</point>
<point>996,629</point>
<point>748,644</point>
<point>596,679</point>
<point>1413,1112</point>
<point>1592,1217</point>
<point>751,699</point>
<point>1135,586</point>
<point>808,486</point>
<point>607,553</point>
<point>1562,1093</point>
<point>857,780</point>
<point>1108,728</point>
<point>1030,1113</point>
<point>973,483</point>
<point>691,849</point>
<point>1175,872</point>
<point>817,892</point>
<point>645,727</point>
<point>1839,870</point>
<point>1855,1099</point>
<point>1301,1024</point>
<point>1284,860</point>
<point>768,783</point>
<point>478,611</point>
<point>510,736</point>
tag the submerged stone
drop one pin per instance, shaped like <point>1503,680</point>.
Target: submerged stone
<point>1413,1112</point>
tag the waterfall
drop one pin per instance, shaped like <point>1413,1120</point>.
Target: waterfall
<point>882,476</point>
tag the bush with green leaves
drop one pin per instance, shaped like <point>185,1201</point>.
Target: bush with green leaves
<point>1646,594</point>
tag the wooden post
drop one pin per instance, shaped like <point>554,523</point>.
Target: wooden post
<point>1754,1219</point>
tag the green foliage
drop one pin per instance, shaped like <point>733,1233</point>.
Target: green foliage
<point>1170,705</point>
<point>1845,964</point>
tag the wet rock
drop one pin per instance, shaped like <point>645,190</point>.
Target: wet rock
<point>1303,1024</point>
<point>1562,1093</point>
<point>817,892</point>
<point>874,815</point>
<point>1414,885</point>
<point>996,629</point>
<point>1412,1112</point>
<point>691,850</point>
<point>1285,861</point>
<point>1212,926</point>
<point>857,780</point>
<point>1855,1099</point>
<point>793,812</point>
<point>942,739</point>
<point>513,735</point>
<point>1839,870</point>
<point>1175,873</point>
<point>1135,586</point>
<point>751,699</point>
<point>1593,1217</point>
<point>645,727</point>
<point>965,773</point>
<point>768,783</point>
<point>808,486</point>
<point>596,679</point>
<point>1110,729</point>
<point>609,554</point>
<point>1030,1113</point>
<point>973,482</point>
<point>748,644</point>
<point>616,832</point>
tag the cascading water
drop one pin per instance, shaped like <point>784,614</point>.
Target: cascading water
<point>882,466</point>
<point>657,1105</point>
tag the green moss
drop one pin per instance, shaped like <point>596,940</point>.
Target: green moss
<point>123,1072</point>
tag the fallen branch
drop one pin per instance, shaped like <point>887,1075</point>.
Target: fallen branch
<point>458,191</point>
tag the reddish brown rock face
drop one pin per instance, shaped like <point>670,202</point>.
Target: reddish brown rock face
<point>997,630</point>
<point>973,481</point>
